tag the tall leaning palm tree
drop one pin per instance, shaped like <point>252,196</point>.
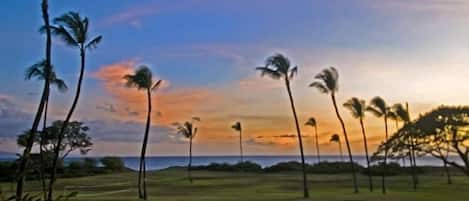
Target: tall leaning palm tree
<point>312,122</point>
<point>142,79</point>
<point>336,138</point>
<point>38,71</point>
<point>358,107</point>
<point>237,127</point>
<point>45,94</point>
<point>328,83</point>
<point>73,30</point>
<point>278,67</point>
<point>189,131</point>
<point>379,108</point>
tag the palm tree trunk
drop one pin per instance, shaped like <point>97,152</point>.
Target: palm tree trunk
<point>305,180</point>
<point>340,151</point>
<point>45,93</point>
<point>416,178</point>
<point>189,167</point>
<point>383,177</point>
<point>317,143</point>
<point>65,125</point>
<point>355,184</point>
<point>241,144</point>
<point>370,181</point>
<point>448,174</point>
<point>144,147</point>
<point>41,152</point>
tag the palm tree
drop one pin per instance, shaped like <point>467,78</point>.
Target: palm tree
<point>142,79</point>
<point>278,67</point>
<point>312,122</point>
<point>402,114</point>
<point>40,109</point>
<point>336,138</point>
<point>73,30</point>
<point>189,131</point>
<point>38,71</point>
<point>237,127</point>
<point>379,108</point>
<point>329,84</point>
<point>358,107</point>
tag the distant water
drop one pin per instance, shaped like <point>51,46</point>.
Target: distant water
<point>161,162</point>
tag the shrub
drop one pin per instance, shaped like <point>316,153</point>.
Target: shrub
<point>334,168</point>
<point>285,166</point>
<point>113,163</point>
<point>391,169</point>
<point>244,167</point>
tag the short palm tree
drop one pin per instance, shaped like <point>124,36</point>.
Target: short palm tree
<point>328,83</point>
<point>379,108</point>
<point>40,109</point>
<point>142,79</point>
<point>237,127</point>
<point>358,107</point>
<point>312,122</point>
<point>73,30</point>
<point>278,67</point>
<point>39,71</point>
<point>336,138</point>
<point>189,131</point>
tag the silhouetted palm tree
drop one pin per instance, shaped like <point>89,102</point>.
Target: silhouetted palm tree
<point>73,30</point>
<point>45,94</point>
<point>278,67</point>
<point>379,108</point>
<point>336,138</point>
<point>142,79</point>
<point>237,127</point>
<point>329,84</point>
<point>189,131</point>
<point>358,107</point>
<point>312,122</point>
<point>38,71</point>
<point>402,114</point>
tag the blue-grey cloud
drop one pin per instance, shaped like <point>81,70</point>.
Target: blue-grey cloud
<point>13,120</point>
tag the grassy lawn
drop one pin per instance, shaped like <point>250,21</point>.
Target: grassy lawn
<point>172,185</point>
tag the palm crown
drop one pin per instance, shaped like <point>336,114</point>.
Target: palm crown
<point>187,129</point>
<point>401,112</point>
<point>38,70</point>
<point>328,81</point>
<point>142,79</point>
<point>311,122</point>
<point>356,106</point>
<point>378,107</point>
<point>73,29</point>
<point>335,138</point>
<point>236,126</point>
<point>278,67</point>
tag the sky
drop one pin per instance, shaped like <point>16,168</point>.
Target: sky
<point>206,51</point>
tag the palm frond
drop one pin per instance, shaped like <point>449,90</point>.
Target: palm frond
<point>320,87</point>
<point>374,111</point>
<point>269,72</point>
<point>59,83</point>
<point>356,106</point>
<point>293,72</point>
<point>236,126</point>
<point>280,63</point>
<point>378,106</point>
<point>156,85</point>
<point>35,70</point>
<point>94,43</point>
<point>63,33</point>
<point>311,122</point>
<point>335,138</point>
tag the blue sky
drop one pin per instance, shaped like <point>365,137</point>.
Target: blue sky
<point>206,51</point>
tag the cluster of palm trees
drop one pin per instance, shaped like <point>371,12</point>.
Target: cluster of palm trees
<point>278,67</point>
<point>73,30</point>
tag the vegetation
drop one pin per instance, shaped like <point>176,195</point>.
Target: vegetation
<point>312,122</point>
<point>142,79</point>
<point>328,83</point>
<point>278,67</point>
<point>336,138</point>
<point>189,131</point>
<point>237,127</point>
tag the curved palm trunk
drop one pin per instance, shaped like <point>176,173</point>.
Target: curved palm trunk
<point>45,93</point>
<point>189,167</point>
<point>142,171</point>
<point>241,144</point>
<point>370,181</point>
<point>65,125</point>
<point>355,185</point>
<point>305,180</point>
<point>383,177</point>
<point>317,143</point>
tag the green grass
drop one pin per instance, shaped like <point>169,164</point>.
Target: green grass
<point>172,185</point>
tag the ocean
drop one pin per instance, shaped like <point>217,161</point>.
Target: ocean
<point>162,162</point>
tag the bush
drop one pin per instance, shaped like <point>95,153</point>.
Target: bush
<point>391,169</point>
<point>334,168</point>
<point>239,167</point>
<point>113,163</point>
<point>285,166</point>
